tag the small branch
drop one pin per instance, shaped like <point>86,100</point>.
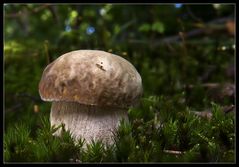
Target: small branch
<point>208,113</point>
<point>33,98</point>
<point>13,15</point>
<point>218,90</point>
<point>20,103</point>
<point>13,108</point>
<point>40,8</point>
<point>192,33</point>
<point>55,14</point>
<point>224,86</point>
<point>46,43</point>
<point>210,70</point>
<point>203,114</point>
<point>123,28</point>
<point>227,109</point>
<point>205,85</point>
<point>192,14</point>
<point>173,152</point>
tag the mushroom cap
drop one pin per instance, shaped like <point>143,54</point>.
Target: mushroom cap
<point>91,77</point>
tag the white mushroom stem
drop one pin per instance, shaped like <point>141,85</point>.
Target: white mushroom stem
<point>88,122</point>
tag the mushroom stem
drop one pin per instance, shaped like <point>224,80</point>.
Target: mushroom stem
<point>87,121</point>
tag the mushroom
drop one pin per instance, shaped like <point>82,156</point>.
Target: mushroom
<point>91,92</point>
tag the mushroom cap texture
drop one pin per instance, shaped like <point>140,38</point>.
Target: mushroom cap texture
<point>91,77</point>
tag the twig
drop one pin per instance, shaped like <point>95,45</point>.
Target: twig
<point>54,12</point>
<point>173,152</point>
<point>177,38</point>
<point>13,15</point>
<point>210,70</point>
<point>230,70</point>
<point>39,8</point>
<point>227,109</point>
<point>13,108</point>
<point>222,90</point>
<point>205,85</point>
<point>213,86</point>
<point>33,98</point>
<point>185,53</point>
<point>20,13</point>
<point>203,114</point>
<point>46,51</point>
<point>192,14</point>
<point>208,113</point>
<point>122,28</point>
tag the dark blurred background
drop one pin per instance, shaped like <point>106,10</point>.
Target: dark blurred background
<point>176,48</point>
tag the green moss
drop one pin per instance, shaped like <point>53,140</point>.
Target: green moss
<point>164,119</point>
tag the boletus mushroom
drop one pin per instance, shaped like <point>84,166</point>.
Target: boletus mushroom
<point>91,92</point>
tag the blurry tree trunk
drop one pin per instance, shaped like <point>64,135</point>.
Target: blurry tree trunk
<point>54,11</point>
<point>24,21</point>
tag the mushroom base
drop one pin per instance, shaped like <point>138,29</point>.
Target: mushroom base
<point>88,122</point>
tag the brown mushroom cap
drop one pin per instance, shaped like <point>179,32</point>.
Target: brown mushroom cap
<point>91,77</point>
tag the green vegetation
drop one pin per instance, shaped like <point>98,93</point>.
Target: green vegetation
<point>152,130</point>
<point>182,75</point>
